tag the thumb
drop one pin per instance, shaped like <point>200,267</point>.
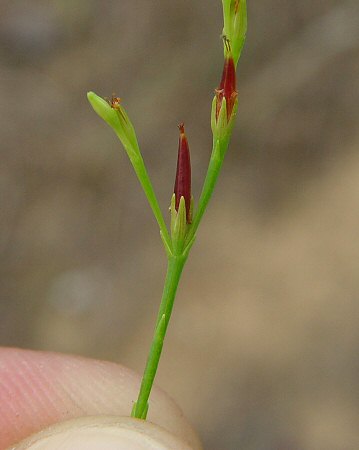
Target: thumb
<point>40,389</point>
<point>103,433</point>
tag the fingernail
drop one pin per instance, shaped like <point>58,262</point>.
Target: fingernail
<point>103,433</point>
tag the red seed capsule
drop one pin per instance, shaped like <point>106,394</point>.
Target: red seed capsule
<point>227,87</point>
<point>182,186</point>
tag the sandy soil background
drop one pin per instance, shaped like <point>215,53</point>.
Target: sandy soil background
<point>262,350</point>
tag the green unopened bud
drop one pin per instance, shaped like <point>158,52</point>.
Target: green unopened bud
<point>235,26</point>
<point>103,109</point>
<point>179,225</point>
<point>114,114</point>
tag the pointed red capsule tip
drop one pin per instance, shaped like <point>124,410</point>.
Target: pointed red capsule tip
<point>182,186</point>
<point>181,127</point>
<point>227,87</point>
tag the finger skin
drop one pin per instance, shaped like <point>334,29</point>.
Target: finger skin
<point>103,432</point>
<point>38,389</point>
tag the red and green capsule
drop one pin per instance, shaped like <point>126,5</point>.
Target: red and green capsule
<point>182,186</point>
<point>227,87</point>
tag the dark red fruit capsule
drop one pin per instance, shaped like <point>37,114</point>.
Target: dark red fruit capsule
<point>182,186</point>
<point>227,87</point>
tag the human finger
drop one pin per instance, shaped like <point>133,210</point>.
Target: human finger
<point>103,432</point>
<point>38,389</point>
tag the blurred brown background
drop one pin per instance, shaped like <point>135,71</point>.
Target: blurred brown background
<point>262,350</point>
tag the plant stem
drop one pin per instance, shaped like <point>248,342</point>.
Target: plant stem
<point>174,271</point>
<point>214,167</point>
<point>147,187</point>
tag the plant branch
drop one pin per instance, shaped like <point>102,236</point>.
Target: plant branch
<point>174,270</point>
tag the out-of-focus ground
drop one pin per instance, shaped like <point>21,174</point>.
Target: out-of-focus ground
<point>262,351</point>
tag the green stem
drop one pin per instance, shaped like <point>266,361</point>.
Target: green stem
<point>147,187</point>
<point>174,271</point>
<point>214,167</point>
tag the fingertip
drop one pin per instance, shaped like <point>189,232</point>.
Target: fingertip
<point>103,433</point>
<point>38,389</point>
